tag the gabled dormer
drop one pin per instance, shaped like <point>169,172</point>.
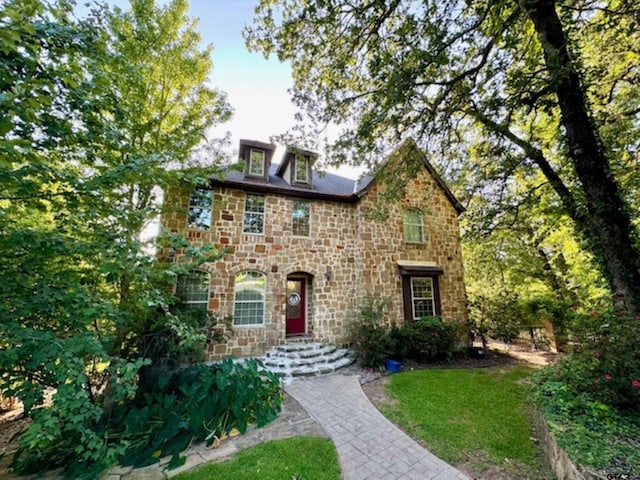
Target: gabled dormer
<point>257,159</point>
<point>296,167</point>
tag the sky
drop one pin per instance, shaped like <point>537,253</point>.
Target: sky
<point>256,88</point>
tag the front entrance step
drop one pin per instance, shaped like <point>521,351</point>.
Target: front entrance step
<point>299,359</point>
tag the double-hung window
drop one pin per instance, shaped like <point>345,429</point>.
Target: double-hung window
<point>192,291</point>
<point>422,297</point>
<point>256,163</point>
<point>199,216</point>
<point>301,218</point>
<point>249,297</point>
<point>413,232</point>
<point>253,214</point>
<point>301,169</point>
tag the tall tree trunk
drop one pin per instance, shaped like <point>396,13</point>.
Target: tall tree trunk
<point>610,234</point>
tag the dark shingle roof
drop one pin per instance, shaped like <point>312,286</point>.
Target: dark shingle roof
<point>327,186</point>
<point>324,185</point>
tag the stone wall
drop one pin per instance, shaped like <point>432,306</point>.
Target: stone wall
<point>561,464</point>
<point>382,245</point>
<point>359,254</point>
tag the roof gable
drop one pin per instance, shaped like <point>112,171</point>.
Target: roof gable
<point>408,148</point>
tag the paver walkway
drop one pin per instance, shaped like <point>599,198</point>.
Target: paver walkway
<point>370,447</point>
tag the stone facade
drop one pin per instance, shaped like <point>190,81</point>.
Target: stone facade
<point>346,255</point>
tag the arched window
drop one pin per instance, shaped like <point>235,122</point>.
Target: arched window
<point>249,296</point>
<point>413,226</point>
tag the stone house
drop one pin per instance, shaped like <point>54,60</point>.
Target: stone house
<point>304,249</point>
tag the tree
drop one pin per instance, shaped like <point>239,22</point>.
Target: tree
<point>93,123</point>
<point>510,75</point>
<point>161,116</point>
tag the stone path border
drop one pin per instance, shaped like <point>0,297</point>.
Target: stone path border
<point>370,447</point>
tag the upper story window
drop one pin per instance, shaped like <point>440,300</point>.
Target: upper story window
<point>256,157</point>
<point>413,232</point>
<point>249,296</point>
<point>199,215</point>
<point>192,290</point>
<point>256,162</point>
<point>301,169</point>
<point>253,214</point>
<point>300,218</point>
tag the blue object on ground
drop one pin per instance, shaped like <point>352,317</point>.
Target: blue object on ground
<point>392,366</point>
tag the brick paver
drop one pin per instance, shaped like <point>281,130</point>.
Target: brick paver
<point>370,447</point>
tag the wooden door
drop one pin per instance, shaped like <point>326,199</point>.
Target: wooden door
<point>296,306</point>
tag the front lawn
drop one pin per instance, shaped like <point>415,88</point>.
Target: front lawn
<point>476,417</point>
<point>301,458</point>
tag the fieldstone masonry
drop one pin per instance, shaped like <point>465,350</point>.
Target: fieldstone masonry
<point>347,255</point>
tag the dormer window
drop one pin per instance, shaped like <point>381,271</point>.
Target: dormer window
<point>256,162</point>
<point>256,157</point>
<point>295,168</point>
<point>301,170</point>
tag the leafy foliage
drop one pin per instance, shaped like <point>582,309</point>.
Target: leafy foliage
<point>425,339</point>
<point>197,403</point>
<point>516,101</point>
<point>369,330</point>
<point>375,340</point>
<point>84,149</point>
<point>591,398</point>
<point>605,361</point>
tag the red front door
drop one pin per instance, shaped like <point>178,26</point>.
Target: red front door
<point>296,306</point>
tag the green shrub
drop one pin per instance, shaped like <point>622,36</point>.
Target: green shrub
<point>372,345</point>
<point>426,339</point>
<point>369,332</point>
<point>605,359</point>
<point>592,397</point>
<point>196,403</point>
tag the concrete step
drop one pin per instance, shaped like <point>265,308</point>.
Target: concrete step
<point>330,356</point>
<point>305,359</point>
<point>286,352</point>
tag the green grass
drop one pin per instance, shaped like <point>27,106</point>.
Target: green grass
<point>480,415</point>
<point>302,458</point>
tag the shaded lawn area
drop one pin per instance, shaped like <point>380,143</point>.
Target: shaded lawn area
<point>480,417</point>
<point>301,457</point>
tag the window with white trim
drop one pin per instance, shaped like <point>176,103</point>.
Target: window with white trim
<point>256,162</point>
<point>192,289</point>
<point>249,299</point>
<point>199,216</point>
<point>422,297</point>
<point>413,232</point>
<point>253,214</point>
<point>301,218</point>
